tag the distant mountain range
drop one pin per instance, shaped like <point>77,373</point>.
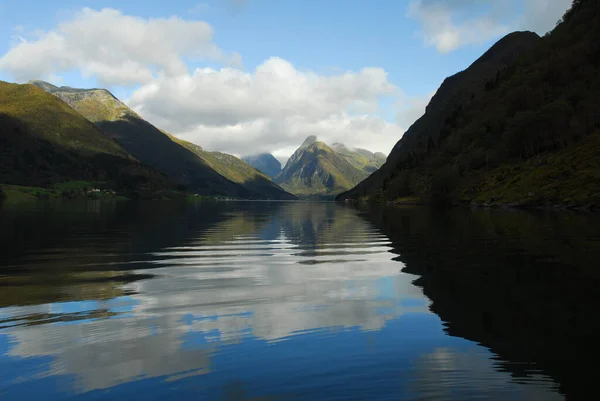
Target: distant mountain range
<point>362,159</point>
<point>238,171</point>
<point>97,122</point>
<point>265,162</point>
<point>317,170</point>
<point>520,126</point>
<point>68,127</point>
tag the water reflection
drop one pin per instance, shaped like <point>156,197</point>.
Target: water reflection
<point>524,284</point>
<point>223,301</point>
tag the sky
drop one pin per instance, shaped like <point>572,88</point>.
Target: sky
<point>252,76</point>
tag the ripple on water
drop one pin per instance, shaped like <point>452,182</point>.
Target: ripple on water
<point>239,300</point>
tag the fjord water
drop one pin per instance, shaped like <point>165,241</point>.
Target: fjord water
<point>294,301</point>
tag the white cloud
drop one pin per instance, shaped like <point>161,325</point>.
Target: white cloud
<point>441,29</point>
<point>272,109</point>
<point>450,24</point>
<point>267,298</point>
<point>116,49</point>
<point>410,109</point>
<point>541,15</point>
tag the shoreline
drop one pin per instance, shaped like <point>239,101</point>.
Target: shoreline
<point>487,205</point>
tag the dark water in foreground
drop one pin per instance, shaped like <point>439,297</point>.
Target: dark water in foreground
<point>296,301</point>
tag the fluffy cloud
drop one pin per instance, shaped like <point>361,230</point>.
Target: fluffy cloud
<point>450,24</point>
<point>114,48</point>
<point>272,109</point>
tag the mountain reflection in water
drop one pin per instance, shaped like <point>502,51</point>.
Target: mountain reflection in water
<point>254,301</point>
<point>523,283</point>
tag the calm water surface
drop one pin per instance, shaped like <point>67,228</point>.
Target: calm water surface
<point>295,301</point>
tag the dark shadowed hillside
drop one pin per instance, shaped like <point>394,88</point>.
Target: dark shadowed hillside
<point>519,126</point>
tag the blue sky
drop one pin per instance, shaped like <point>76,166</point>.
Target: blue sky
<point>414,44</point>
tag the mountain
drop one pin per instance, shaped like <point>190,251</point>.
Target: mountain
<point>317,170</point>
<point>43,142</point>
<point>453,94</point>
<point>520,126</point>
<point>154,147</point>
<point>238,171</point>
<point>264,162</point>
<point>360,158</point>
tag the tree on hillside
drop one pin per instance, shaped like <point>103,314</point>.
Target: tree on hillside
<point>2,194</point>
<point>574,7</point>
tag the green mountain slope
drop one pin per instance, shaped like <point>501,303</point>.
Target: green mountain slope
<point>265,162</point>
<point>316,170</point>
<point>360,158</point>
<point>44,142</point>
<point>526,134</point>
<point>147,143</point>
<point>238,171</point>
<point>54,120</point>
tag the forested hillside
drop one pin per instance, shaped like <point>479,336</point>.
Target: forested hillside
<point>520,126</point>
